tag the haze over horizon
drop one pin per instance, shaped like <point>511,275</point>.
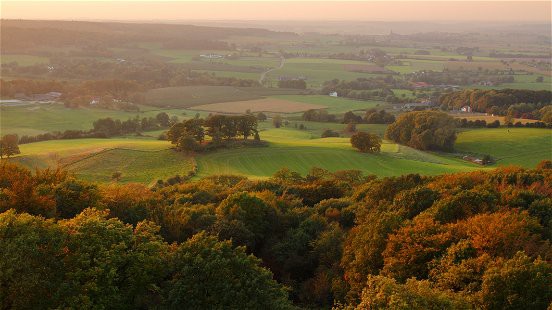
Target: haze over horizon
<point>392,11</point>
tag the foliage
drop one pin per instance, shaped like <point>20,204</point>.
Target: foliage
<point>424,130</point>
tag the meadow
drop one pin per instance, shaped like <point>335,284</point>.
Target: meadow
<point>508,146</point>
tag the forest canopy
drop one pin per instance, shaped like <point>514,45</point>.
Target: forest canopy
<point>478,239</point>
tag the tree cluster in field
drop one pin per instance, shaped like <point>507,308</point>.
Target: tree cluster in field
<point>319,115</point>
<point>497,102</point>
<point>372,116</point>
<point>458,241</point>
<point>424,130</point>
<point>296,84</point>
<point>480,123</point>
<point>224,131</point>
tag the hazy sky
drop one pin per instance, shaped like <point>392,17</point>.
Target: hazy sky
<point>537,11</point>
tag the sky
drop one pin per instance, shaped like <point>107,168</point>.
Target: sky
<point>451,11</point>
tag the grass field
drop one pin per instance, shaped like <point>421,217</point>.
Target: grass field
<point>294,149</point>
<point>259,105</point>
<point>518,146</point>
<point>335,104</point>
<point>134,165</point>
<point>41,118</point>
<point>144,159</point>
<point>138,159</point>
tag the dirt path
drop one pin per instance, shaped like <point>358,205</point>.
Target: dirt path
<point>263,75</point>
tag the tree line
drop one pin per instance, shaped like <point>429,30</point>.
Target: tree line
<point>330,238</point>
<point>495,101</point>
<point>107,127</point>
<point>371,116</point>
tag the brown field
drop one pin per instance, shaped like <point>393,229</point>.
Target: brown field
<point>367,68</point>
<point>258,105</point>
<point>490,118</point>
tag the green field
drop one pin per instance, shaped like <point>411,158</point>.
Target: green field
<point>297,151</point>
<point>335,104</point>
<point>508,146</point>
<point>135,165</point>
<point>144,159</point>
<point>317,70</point>
<point>138,159</point>
<point>42,118</point>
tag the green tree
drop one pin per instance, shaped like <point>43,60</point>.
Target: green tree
<point>517,283</point>
<point>31,261</point>
<point>366,142</point>
<point>209,274</point>
<point>163,119</point>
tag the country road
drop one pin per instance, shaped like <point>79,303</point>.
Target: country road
<point>263,75</point>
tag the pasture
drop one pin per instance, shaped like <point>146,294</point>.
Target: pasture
<point>525,147</point>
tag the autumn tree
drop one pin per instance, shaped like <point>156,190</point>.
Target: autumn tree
<point>424,130</point>
<point>9,146</point>
<point>366,142</point>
